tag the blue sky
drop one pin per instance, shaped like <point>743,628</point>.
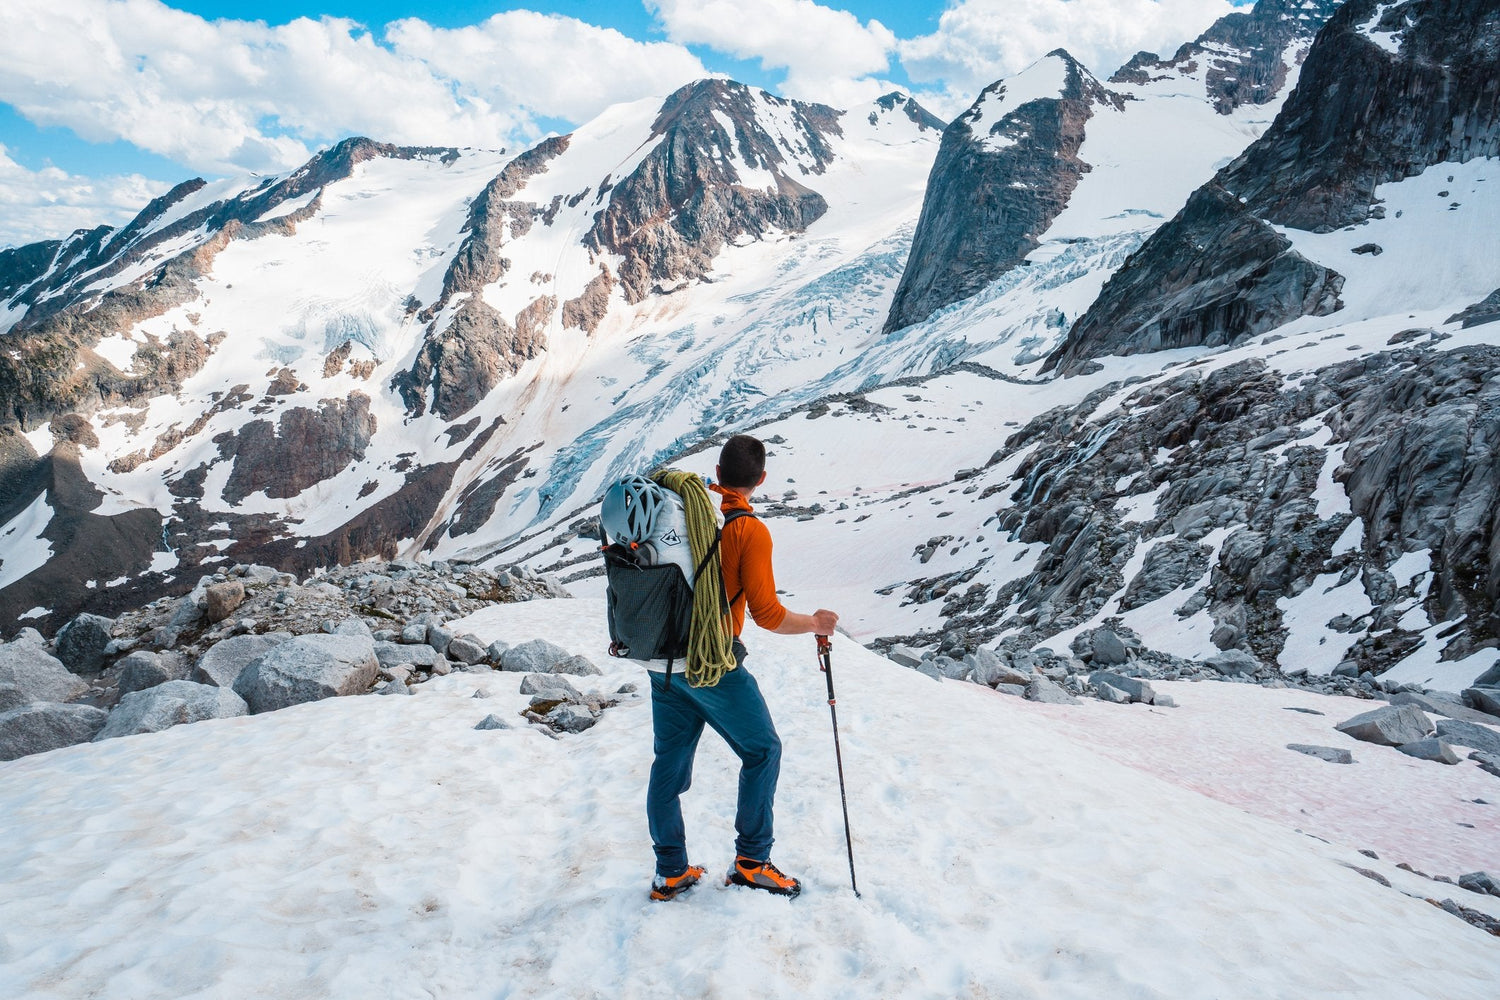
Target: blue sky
<point>104,103</point>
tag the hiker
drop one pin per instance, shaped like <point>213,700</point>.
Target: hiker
<point>734,706</point>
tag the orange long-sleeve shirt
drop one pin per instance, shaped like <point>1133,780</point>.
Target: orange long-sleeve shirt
<point>746,554</point>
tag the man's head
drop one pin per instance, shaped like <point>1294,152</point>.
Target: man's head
<point>742,463</point>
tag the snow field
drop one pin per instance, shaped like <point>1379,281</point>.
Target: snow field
<point>381,847</point>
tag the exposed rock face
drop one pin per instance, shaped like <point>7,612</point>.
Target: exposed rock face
<point>1004,171</point>
<point>923,118</point>
<point>466,358</point>
<point>587,311</point>
<point>1244,52</point>
<point>305,447</point>
<point>1361,115</point>
<point>673,213</point>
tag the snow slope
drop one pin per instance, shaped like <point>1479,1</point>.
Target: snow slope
<point>382,847</point>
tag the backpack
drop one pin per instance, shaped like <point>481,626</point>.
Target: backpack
<point>651,578</point>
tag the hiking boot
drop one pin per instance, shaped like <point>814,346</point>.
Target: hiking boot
<point>761,875</point>
<point>663,887</point>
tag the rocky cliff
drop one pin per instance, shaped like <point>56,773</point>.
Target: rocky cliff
<point>1386,91</point>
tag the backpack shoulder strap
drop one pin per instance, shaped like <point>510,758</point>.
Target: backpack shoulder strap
<point>729,518</point>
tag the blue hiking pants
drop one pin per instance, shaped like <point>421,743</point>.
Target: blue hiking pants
<point>736,711</point>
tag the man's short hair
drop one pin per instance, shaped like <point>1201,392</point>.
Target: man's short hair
<point>741,461</point>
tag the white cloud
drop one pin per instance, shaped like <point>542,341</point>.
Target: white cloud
<point>551,65</point>
<point>824,51</point>
<point>979,41</point>
<point>50,203</point>
<point>226,96</point>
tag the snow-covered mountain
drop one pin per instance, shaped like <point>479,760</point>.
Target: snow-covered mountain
<point>402,350</point>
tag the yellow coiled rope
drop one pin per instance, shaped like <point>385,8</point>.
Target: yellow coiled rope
<point>710,642</point>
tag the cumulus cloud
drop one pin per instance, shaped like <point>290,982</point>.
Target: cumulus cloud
<point>979,41</point>
<point>226,96</point>
<point>825,52</point>
<point>49,203</point>
<point>555,66</point>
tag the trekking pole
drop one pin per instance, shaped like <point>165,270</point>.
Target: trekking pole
<point>825,647</point>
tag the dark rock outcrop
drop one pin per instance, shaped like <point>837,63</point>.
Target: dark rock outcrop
<point>671,215</point>
<point>305,447</point>
<point>1245,52</point>
<point>1361,115</point>
<point>996,186</point>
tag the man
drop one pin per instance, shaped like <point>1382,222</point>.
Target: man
<point>733,707</point>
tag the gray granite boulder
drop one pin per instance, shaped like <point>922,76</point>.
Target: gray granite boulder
<point>80,643</point>
<point>1137,689</point>
<point>467,649</point>
<point>144,669</point>
<point>1490,678</point>
<point>397,685</point>
<point>391,654</point>
<point>1331,754</point>
<point>46,725</point>
<point>550,686</point>
<point>1110,693</point>
<point>1447,707</point>
<point>1431,749</point>
<point>1488,762</point>
<point>493,722</point>
<point>1039,688</point>
<point>414,634</point>
<point>308,668</point>
<point>577,666</point>
<point>1233,661</point>
<point>1391,726</point>
<point>495,650</point>
<point>953,670</point>
<point>28,674</point>
<point>221,663</point>
<point>438,638</point>
<point>349,626</point>
<point>571,718</point>
<point>904,655</point>
<point>1480,882</point>
<point>1109,650</point>
<point>536,656</point>
<point>1486,700</point>
<point>929,668</point>
<point>173,703</point>
<point>1467,734</point>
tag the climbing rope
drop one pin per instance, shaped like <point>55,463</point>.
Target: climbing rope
<point>710,652</point>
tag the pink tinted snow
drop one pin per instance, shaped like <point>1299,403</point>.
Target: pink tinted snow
<point>1228,741</point>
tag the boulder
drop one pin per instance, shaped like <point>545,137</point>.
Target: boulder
<point>1467,734</point>
<point>221,663</point>
<point>397,685</point>
<point>349,626</point>
<point>495,650</point>
<point>550,686</point>
<point>414,634</point>
<point>1019,690</point>
<point>1432,749</point>
<point>1486,700</point>
<point>1234,661</point>
<point>1490,678</point>
<point>930,669</point>
<point>1480,882</point>
<point>221,600</point>
<point>308,668</point>
<point>1164,701</point>
<point>1443,707</point>
<point>1487,762</point>
<point>1039,688</point>
<point>144,669</point>
<point>466,649</point>
<point>391,654</point>
<point>904,655</point>
<point>185,613</point>
<point>440,666</point>
<point>493,722</point>
<point>536,656</point>
<point>1110,693</point>
<point>46,725</point>
<point>28,674</point>
<point>1137,689</point>
<point>172,703</point>
<point>438,638</point>
<point>1391,726</point>
<point>81,642</point>
<point>1109,650</point>
<point>953,670</point>
<point>1331,754</point>
<point>577,666</point>
<point>571,718</point>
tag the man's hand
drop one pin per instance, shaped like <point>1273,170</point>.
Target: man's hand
<point>824,622</point>
<point>820,622</point>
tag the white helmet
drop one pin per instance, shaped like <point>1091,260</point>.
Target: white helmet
<point>630,509</point>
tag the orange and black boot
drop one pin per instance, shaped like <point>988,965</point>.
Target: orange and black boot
<point>663,887</point>
<point>761,875</point>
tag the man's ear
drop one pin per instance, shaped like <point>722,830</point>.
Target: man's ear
<point>761,479</point>
<point>718,475</point>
